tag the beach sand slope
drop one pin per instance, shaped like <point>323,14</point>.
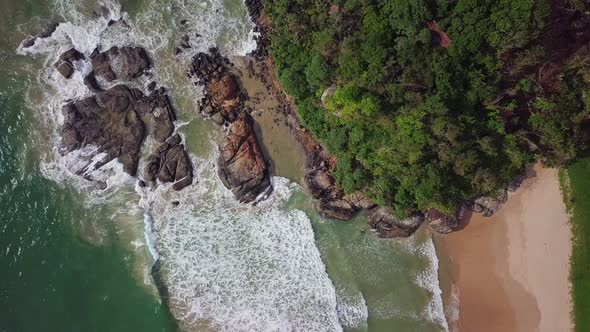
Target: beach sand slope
<point>512,270</point>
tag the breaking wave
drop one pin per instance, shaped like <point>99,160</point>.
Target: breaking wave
<point>239,268</point>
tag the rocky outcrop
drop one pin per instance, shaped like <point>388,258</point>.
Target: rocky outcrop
<point>65,64</point>
<point>157,113</point>
<point>444,223</point>
<point>489,205</point>
<point>241,166</point>
<point>387,225</point>
<point>124,63</point>
<point>108,121</point>
<point>47,32</point>
<point>170,163</point>
<point>116,121</point>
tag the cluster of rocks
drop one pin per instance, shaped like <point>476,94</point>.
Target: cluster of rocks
<point>256,12</point>
<point>241,164</point>
<point>118,119</point>
<point>382,220</point>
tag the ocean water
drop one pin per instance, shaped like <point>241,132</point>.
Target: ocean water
<point>77,257</point>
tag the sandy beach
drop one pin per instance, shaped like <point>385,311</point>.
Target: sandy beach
<point>511,271</point>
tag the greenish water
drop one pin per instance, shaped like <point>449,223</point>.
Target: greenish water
<point>53,277</point>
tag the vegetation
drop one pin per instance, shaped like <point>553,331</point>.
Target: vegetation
<point>578,202</point>
<point>416,125</point>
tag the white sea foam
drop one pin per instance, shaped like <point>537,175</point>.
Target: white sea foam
<point>352,308</point>
<point>428,279</point>
<point>240,267</point>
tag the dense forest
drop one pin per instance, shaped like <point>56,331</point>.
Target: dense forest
<point>426,102</point>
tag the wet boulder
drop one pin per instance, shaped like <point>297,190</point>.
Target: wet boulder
<point>170,163</point>
<point>241,165</point>
<point>65,63</point>
<point>387,225</point>
<point>120,63</point>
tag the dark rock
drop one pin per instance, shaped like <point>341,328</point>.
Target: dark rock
<point>218,119</point>
<point>360,201</point>
<point>65,64</point>
<point>120,62</point>
<point>515,183</point>
<point>107,120</point>
<point>65,69</point>
<point>241,166</point>
<point>489,205</point>
<point>91,83</point>
<point>158,115</point>
<point>336,209</point>
<point>171,164</point>
<point>444,223</point>
<point>319,182</point>
<point>175,203</point>
<point>388,225</point>
<point>183,22</point>
<point>47,32</point>
<point>152,86</point>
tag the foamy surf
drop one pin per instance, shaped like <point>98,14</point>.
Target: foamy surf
<point>236,267</point>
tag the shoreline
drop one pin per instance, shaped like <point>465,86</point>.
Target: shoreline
<point>512,270</point>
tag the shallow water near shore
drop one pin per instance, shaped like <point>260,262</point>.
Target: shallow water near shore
<point>79,259</point>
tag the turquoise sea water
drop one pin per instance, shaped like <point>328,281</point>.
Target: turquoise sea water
<point>74,260</point>
<point>51,277</point>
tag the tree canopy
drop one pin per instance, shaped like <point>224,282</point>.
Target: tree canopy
<point>415,125</point>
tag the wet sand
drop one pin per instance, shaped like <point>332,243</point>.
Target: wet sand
<point>512,270</point>
<point>280,147</point>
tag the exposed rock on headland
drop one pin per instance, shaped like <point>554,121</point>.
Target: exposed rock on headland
<point>387,225</point>
<point>331,200</point>
<point>241,164</point>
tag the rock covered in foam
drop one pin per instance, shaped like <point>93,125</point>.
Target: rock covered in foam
<point>242,167</point>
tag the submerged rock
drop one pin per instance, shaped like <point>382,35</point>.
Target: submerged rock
<point>241,166</point>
